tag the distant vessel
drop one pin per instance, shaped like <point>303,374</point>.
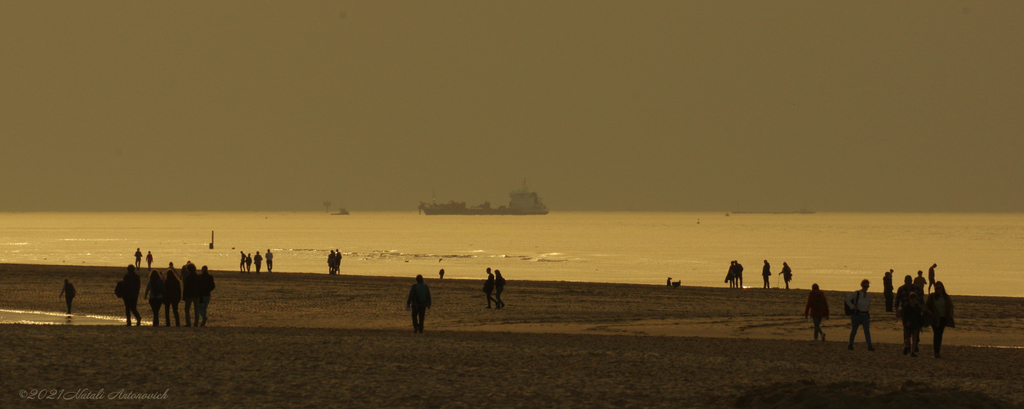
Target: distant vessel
<point>802,211</point>
<point>523,202</point>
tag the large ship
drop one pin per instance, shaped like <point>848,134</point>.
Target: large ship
<point>523,202</point>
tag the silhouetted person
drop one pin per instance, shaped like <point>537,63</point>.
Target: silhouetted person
<point>787,274</point>
<point>911,316</point>
<point>931,277</point>
<point>248,263</point>
<point>940,306</point>
<point>68,292</point>
<point>739,274</point>
<point>241,263</point>
<point>270,261</point>
<point>337,261</point>
<point>887,290</point>
<point>903,293</point>
<point>499,286</point>
<point>206,285</point>
<point>920,283</point>
<point>489,287</point>
<point>149,260</point>
<point>418,302</point>
<point>259,261</point>
<point>859,302</point>
<point>132,283</point>
<point>172,296</point>
<point>138,258</point>
<point>155,295</point>
<point>330,263</point>
<point>668,282</point>
<point>730,277</point>
<point>817,308</point>
<point>766,272</point>
<point>441,273</point>
<point>190,293</point>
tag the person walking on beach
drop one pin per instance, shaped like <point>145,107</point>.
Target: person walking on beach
<point>131,283</point>
<point>190,293</point>
<point>739,274</point>
<point>931,277</point>
<point>418,302</point>
<point>270,261</point>
<point>337,261</point>
<point>903,293</point>
<point>887,283</point>
<point>730,277</point>
<point>68,292</point>
<point>817,306</point>
<point>330,263</point>
<point>172,296</point>
<point>138,257</point>
<point>499,286</point>
<point>912,323</point>
<point>940,306</point>
<point>248,263</point>
<point>241,264</point>
<point>259,261</point>
<point>787,274</point>
<point>920,281</point>
<point>859,302</point>
<point>441,273</point>
<point>155,295</point>
<point>149,260</point>
<point>206,285</point>
<point>766,272</point>
<point>489,287</point>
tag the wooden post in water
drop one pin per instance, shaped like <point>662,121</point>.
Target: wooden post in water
<point>211,239</point>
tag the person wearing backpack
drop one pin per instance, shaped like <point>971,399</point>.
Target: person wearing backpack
<point>130,284</point>
<point>418,302</point>
<point>857,305</point>
<point>155,295</point>
<point>68,292</point>
<point>817,306</point>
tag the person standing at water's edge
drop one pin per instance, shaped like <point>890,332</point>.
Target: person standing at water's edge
<point>931,277</point>
<point>940,306</point>
<point>270,261</point>
<point>859,302</point>
<point>441,273</point>
<point>489,287</point>
<point>330,263</point>
<point>817,306</point>
<point>418,302</point>
<point>739,274</point>
<point>138,257</point>
<point>766,272</point>
<point>887,290</point>
<point>155,294</point>
<point>131,295</point>
<point>68,292</point>
<point>149,260</point>
<point>787,274</point>
<point>259,261</point>
<point>241,264</point>
<point>248,263</point>
<point>499,287</point>
<point>206,285</point>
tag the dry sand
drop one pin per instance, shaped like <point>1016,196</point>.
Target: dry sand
<point>316,340</point>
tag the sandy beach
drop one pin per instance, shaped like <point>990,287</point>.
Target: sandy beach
<point>311,340</point>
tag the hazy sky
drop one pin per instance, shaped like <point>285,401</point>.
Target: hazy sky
<point>675,105</point>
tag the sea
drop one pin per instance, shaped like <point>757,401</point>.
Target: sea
<point>976,254</point>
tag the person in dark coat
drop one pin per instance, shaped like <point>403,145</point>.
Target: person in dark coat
<point>766,272</point>
<point>132,283</point>
<point>241,264</point>
<point>68,292</point>
<point>248,263</point>
<point>155,293</point>
<point>205,287</point>
<point>817,308</point>
<point>787,274</point>
<point>489,288</point>
<point>418,302</point>
<point>887,290</point>
<point>172,296</point>
<point>138,259</point>
<point>259,262</point>
<point>499,287</point>
<point>190,293</point>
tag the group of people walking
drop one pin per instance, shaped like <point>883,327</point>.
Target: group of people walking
<point>912,308</point>
<point>334,262</point>
<point>245,264</point>
<point>167,290</point>
<point>495,284</point>
<point>419,300</point>
<point>138,258</point>
<point>735,275</point>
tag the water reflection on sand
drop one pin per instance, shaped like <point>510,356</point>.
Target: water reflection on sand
<point>52,318</point>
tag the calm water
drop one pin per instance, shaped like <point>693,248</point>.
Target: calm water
<point>976,253</point>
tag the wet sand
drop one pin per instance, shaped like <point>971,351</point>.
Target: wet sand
<point>318,340</point>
